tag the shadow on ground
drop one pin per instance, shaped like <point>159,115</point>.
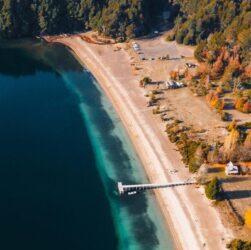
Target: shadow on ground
<point>240,194</point>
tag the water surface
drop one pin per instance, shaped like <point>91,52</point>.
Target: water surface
<point>63,149</point>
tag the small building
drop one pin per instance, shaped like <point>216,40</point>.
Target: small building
<point>231,169</point>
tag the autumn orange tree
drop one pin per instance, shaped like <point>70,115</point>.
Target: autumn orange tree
<point>174,75</point>
<point>246,107</point>
<point>217,68</point>
<point>248,217</point>
<point>248,71</point>
<point>243,104</point>
<point>239,104</point>
<point>215,101</point>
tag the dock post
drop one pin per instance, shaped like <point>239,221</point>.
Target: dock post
<point>120,188</point>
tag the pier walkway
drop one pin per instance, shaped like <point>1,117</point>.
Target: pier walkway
<point>125,189</point>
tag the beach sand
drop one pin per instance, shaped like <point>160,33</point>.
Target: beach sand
<point>191,217</point>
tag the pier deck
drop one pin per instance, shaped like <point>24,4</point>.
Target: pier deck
<point>140,187</point>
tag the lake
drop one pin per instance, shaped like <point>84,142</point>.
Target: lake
<point>62,151</point>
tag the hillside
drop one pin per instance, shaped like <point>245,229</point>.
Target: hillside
<point>222,30</point>
<point>116,18</point>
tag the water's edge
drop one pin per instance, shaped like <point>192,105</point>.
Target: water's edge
<point>137,219</point>
<point>154,209</point>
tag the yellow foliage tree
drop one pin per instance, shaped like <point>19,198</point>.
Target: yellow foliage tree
<point>248,217</point>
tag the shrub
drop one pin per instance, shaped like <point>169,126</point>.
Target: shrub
<point>193,166</point>
<point>173,75</point>
<point>215,101</point>
<point>242,104</point>
<point>145,80</point>
<point>237,244</point>
<point>239,104</point>
<point>212,189</point>
<point>156,111</point>
<point>225,116</point>
<point>219,90</point>
<point>170,37</point>
<point>232,125</point>
<point>152,97</point>
<point>193,153</point>
<point>180,35</point>
<point>199,52</point>
<point>219,104</point>
<point>248,217</point>
<point>246,107</point>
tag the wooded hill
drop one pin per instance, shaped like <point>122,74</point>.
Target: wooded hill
<point>221,28</point>
<point>116,18</point>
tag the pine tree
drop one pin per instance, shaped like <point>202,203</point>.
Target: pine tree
<point>212,189</point>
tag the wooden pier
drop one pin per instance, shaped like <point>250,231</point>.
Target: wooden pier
<point>127,189</point>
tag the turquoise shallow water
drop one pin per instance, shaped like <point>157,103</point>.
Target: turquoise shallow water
<point>79,135</point>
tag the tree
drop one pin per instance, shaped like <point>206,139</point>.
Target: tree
<point>244,38</point>
<point>218,68</point>
<point>216,41</point>
<point>7,18</point>
<point>144,81</point>
<point>237,244</point>
<point>180,35</point>
<point>200,51</point>
<point>173,75</point>
<point>239,104</point>
<point>248,217</point>
<point>248,70</point>
<point>246,107</point>
<point>212,189</point>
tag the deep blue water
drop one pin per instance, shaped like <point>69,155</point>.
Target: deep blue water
<point>62,151</point>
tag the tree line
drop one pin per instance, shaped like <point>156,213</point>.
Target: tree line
<point>115,18</point>
<point>220,28</point>
<point>222,31</point>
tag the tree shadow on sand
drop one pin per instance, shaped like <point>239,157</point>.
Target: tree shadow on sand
<point>215,170</point>
<point>235,179</point>
<point>239,194</point>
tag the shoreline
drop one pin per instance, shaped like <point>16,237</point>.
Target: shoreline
<point>168,222</point>
<point>100,79</point>
<point>183,225</point>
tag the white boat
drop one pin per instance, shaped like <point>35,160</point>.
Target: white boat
<point>132,193</point>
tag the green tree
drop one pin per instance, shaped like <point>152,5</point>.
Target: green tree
<point>237,244</point>
<point>200,50</point>
<point>7,25</point>
<point>212,189</point>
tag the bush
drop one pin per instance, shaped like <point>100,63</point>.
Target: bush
<point>212,189</point>
<point>156,111</point>
<point>225,116</point>
<point>199,52</point>
<point>153,98</point>
<point>237,244</point>
<point>146,80</point>
<point>232,125</point>
<point>193,166</point>
<point>170,37</point>
<point>246,107</point>
<point>248,217</point>
<point>180,35</point>
<point>188,150</point>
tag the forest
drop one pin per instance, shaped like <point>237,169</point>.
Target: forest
<point>129,18</point>
<point>222,32</point>
<point>221,29</point>
<point>116,18</point>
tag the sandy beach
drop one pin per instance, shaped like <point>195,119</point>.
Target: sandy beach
<point>191,217</point>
